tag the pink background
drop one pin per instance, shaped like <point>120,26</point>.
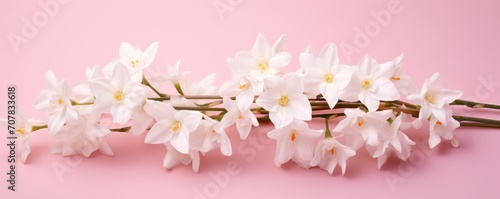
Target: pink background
<point>460,39</point>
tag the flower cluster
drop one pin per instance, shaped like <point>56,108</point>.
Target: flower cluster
<point>366,96</point>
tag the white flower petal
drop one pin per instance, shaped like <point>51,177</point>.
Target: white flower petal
<point>159,133</point>
<point>195,156</point>
<point>386,90</point>
<point>26,150</point>
<point>127,51</point>
<point>280,60</point>
<point>261,46</point>
<point>141,121</point>
<point>307,60</point>
<point>180,141</point>
<point>56,122</point>
<point>159,110</point>
<point>189,119</point>
<point>278,45</point>
<point>301,108</point>
<point>284,152</point>
<point>329,55</point>
<point>149,54</point>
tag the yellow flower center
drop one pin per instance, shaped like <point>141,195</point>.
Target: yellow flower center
<point>175,126</point>
<point>214,131</point>
<point>240,116</point>
<point>119,96</point>
<point>134,62</point>
<point>60,101</point>
<point>21,131</point>
<point>366,84</point>
<point>283,101</point>
<point>328,78</point>
<point>243,86</point>
<point>293,136</point>
<point>332,151</point>
<point>395,78</point>
<point>263,65</point>
<point>429,97</point>
<point>439,122</point>
<point>360,122</point>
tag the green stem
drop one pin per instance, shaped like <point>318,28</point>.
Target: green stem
<point>474,104</point>
<point>476,124</point>
<point>475,119</point>
<point>338,105</point>
<point>146,82</point>
<point>409,105</point>
<point>328,133</point>
<point>75,103</point>
<point>328,115</point>
<point>202,97</point>
<point>36,128</point>
<point>412,112</point>
<point>123,129</point>
<point>198,108</point>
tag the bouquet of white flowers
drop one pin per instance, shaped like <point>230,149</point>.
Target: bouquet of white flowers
<point>193,121</point>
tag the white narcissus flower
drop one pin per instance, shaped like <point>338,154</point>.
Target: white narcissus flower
<point>83,92</point>
<point>370,85</point>
<point>24,129</point>
<point>329,153</point>
<point>242,117</point>
<point>203,87</point>
<point>294,141</point>
<point>134,60</point>
<point>242,87</point>
<point>433,98</point>
<point>395,73</point>
<point>83,138</point>
<point>118,95</point>
<point>174,157</point>
<point>172,126</point>
<point>366,124</point>
<point>141,120</point>
<point>210,134</point>
<point>173,75</point>
<point>440,130</point>
<point>305,58</point>
<point>325,73</point>
<point>392,139</point>
<point>285,100</point>
<point>56,101</point>
<point>264,60</point>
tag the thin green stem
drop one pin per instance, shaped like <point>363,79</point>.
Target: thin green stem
<point>202,97</point>
<point>328,134</point>
<point>146,82</point>
<point>75,103</point>
<point>475,119</point>
<point>412,112</point>
<point>179,89</point>
<point>36,128</point>
<point>409,105</point>
<point>122,130</point>
<point>327,115</point>
<point>338,105</point>
<point>476,124</point>
<point>474,104</point>
<point>199,108</point>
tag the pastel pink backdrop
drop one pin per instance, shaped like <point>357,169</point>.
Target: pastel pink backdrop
<point>459,39</point>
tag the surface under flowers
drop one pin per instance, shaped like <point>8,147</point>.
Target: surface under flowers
<point>193,121</point>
